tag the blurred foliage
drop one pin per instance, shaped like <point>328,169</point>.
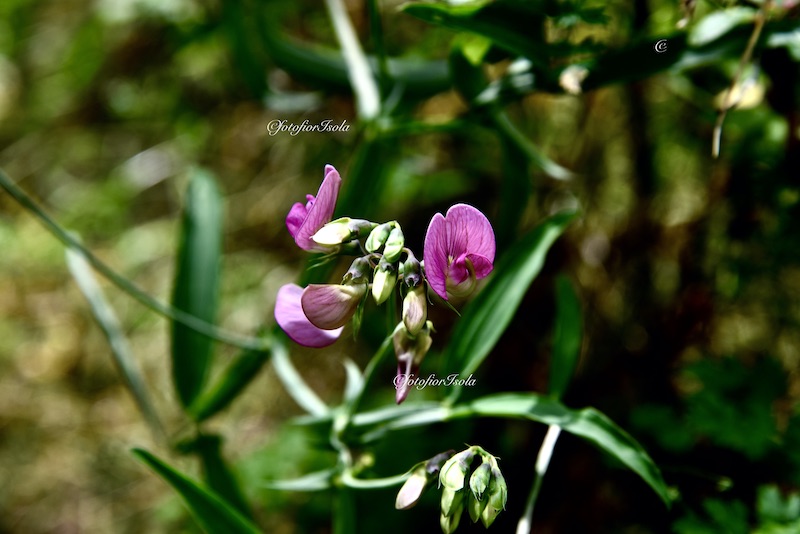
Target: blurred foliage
<point>686,267</point>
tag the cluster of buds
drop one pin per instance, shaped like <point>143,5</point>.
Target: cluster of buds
<point>459,249</point>
<point>482,491</point>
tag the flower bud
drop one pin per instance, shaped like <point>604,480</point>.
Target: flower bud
<point>412,271</point>
<point>496,498</point>
<point>449,523</point>
<point>455,470</point>
<point>378,236</point>
<point>413,488</point>
<point>415,310</point>
<point>359,271</point>
<point>480,478</point>
<point>394,245</point>
<point>340,231</point>
<point>475,507</point>
<point>410,350</point>
<point>383,281</point>
<point>452,501</point>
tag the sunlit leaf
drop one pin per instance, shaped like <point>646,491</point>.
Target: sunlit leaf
<point>485,319</point>
<point>295,386</point>
<point>210,511</point>
<point>718,23</point>
<point>196,284</point>
<point>566,336</point>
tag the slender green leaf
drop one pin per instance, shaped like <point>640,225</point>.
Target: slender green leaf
<point>120,350</point>
<point>512,136</point>
<point>318,481</point>
<point>230,384</point>
<point>587,423</point>
<point>355,381</point>
<point>485,319</point>
<point>210,511</point>
<point>567,336</point>
<point>196,284</point>
<point>218,475</point>
<point>295,386</point>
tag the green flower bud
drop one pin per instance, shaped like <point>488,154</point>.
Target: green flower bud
<point>455,470</point>
<point>415,310</point>
<point>413,488</point>
<point>394,245</point>
<point>341,230</point>
<point>449,523</point>
<point>496,501</point>
<point>378,236</point>
<point>453,501</point>
<point>480,478</point>
<point>475,506</point>
<point>412,271</point>
<point>359,272</point>
<point>383,281</point>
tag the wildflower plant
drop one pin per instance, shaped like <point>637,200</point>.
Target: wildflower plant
<point>459,250</point>
<point>480,265</point>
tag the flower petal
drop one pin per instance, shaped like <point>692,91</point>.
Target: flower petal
<point>289,315</point>
<point>435,255</point>
<point>471,226</point>
<point>296,216</point>
<point>320,212</point>
<point>330,306</point>
<point>481,264</point>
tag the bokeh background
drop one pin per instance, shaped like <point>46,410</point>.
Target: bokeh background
<point>688,267</point>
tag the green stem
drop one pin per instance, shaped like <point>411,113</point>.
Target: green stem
<point>542,462</point>
<point>368,100</point>
<point>369,373</point>
<point>68,239</point>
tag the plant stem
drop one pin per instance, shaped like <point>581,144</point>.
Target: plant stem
<point>542,462</point>
<point>72,242</point>
<point>359,71</point>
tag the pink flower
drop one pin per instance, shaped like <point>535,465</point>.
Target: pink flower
<point>459,249</point>
<point>289,315</point>
<point>303,221</point>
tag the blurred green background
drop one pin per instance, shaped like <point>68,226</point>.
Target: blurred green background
<point>688,267</point>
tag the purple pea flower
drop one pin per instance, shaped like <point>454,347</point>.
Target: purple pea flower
<point>289,315</point>
<point>330,306</point>
<point>303,221</point>
<point>459,249</point>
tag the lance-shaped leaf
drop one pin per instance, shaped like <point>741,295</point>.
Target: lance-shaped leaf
<point>196,284</point>
<point>566,336</point>
<point>588,423</point>
<point>485,319</point>
<point>233,380</point>
<point>210,511</point>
